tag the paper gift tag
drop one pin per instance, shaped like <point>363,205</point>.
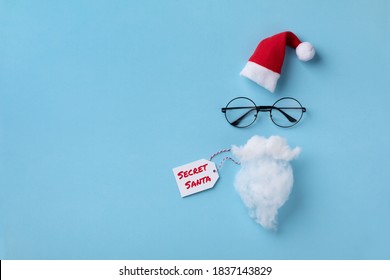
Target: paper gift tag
<point>196,176</point>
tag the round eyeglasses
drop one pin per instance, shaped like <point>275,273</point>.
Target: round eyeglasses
<point>242,112</point>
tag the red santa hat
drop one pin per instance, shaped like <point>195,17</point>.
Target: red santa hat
<point>265,65</point>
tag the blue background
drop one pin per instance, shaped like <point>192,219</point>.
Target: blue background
<point>100,99</point>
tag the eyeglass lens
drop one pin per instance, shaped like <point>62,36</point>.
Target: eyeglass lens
<point>288,106</point>
<point>241,112</point>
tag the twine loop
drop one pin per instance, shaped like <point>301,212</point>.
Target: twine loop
<point>224,159</point>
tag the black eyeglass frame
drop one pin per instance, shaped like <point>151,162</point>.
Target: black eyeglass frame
<point>264,109</point>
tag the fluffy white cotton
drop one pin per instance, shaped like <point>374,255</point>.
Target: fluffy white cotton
<point>305,51</point>
<point>265,179</point>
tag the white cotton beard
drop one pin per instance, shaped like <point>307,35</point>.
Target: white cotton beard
<point>265,179</point>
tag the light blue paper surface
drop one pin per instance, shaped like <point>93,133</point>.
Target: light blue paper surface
<point>99,100</point>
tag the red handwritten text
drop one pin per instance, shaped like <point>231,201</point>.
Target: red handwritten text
<point>200,181</point>
<point>191,172</point>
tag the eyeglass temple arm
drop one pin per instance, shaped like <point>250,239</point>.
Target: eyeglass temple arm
<point>237,121</point>
<point>291,119</point>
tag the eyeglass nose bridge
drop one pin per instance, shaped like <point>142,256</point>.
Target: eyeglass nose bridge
<point>264,108</point>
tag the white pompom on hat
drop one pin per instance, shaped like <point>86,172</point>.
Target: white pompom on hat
<point>305,51</point>
<point>265,64</point>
